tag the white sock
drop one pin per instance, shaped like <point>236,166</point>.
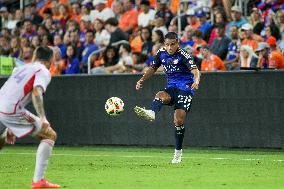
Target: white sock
<point>43,153</point>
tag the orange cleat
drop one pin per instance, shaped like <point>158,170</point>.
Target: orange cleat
<point>44,184</point>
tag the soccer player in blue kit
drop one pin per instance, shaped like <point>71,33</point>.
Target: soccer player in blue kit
<point>182,80</point>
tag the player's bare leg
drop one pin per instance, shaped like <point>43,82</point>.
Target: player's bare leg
<point>179,117</point>
<point>6,136</point>
<point>3,135</point>
<point>48,137</point>
<point>161,98</point>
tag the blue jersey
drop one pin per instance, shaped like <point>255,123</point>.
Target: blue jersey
<point>177,68</point>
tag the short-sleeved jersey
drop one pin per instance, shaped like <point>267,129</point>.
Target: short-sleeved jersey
<point>177,67</point>
<point>16,92</point>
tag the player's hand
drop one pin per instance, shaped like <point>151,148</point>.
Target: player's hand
<point>195,85</point>
<point>45,123</point>
<point>139,84</point>
<point>11,138</point>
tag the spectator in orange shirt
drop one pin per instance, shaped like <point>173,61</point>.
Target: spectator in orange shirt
<point>129,19</point>
<point>198,41</point>
<point>276,58</point>
<point>76,12</point>
<point>210,61</point>
<point>192,19</point>
<point>249,40</point>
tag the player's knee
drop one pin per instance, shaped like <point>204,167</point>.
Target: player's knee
<point>178,122</point>
<point>48,133</point>
<point>163,96</point>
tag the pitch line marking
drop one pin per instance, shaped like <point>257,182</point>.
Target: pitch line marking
<point>106,155</point>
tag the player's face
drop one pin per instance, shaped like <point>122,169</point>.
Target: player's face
<point>171,45</point>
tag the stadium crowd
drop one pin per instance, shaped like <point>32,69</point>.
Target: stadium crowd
<point>218,36</point>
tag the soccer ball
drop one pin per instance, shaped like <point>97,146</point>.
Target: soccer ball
<point>114,106</point>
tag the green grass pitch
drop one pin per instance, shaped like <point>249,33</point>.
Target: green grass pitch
<point>146,168</point>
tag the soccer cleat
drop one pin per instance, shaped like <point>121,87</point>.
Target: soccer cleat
<point>44,184</point>
<point>177,156</point>
<point>146,114</point>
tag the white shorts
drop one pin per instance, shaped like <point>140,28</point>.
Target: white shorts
<point>22,123</point>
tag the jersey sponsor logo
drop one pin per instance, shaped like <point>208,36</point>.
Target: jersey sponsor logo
<point>175,61</point>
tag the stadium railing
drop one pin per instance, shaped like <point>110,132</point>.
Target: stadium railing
<point>101,50</point>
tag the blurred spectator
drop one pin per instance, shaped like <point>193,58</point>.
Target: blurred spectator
<point>84,27</point>
<point>28,31</point>
<point>32,14</point>
<point>280,21</point>
<point>262,52</point>
<point>210,61</point>
<point>173,26</point>
<point>205,26</point>
<point>219,19</point>
<point>186,39</point>
<point>4,17</point>
<point>76,12</point>
<point>198,41</point>
<point>55,66</point>
<point>248,58</point>
<point>249,36</point>
<point>116,34</point>
<point>102,36</point>
<point>160,25</point>
<point>276,58</point>
<point>24,42</point>
<point>15,47</point>
<point>72,63</point>
<point>129,20</point>
<point>125,60</point>
<point>110,58</point>
<point>157,37</point>
<point>101,10</point>
<point>237,19</point>
<point>163,11</point>
<point>272,30</point>
<point>74,39</point>
<point>89,47</point>
<point>15,20</point>
<point>147,16</point>
<point>57,41</point>
<point>35,41</point>
<point>146,36</point>
<point>47,40</point>
<point>4,46</point>
<point>232,60</point>
<point>220,45</point>
<point>117,9</point>
<point>192,19</point>
<point>256,21</point>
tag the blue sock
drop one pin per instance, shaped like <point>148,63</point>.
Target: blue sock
<point>179,134</point>
<point>156,105</point>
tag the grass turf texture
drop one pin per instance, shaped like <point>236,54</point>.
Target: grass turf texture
<point>136,167</point>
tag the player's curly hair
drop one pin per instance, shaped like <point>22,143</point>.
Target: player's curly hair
<point>171,35</point>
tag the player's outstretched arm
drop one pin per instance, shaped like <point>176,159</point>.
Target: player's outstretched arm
<point>146,76</point>
<point>37,98</point>
<point>196,74</point>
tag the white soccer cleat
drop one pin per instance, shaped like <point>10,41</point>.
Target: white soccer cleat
<point>146,114</point>
<point>177,156</point>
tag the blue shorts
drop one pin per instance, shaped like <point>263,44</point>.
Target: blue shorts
<point>179,98</point>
